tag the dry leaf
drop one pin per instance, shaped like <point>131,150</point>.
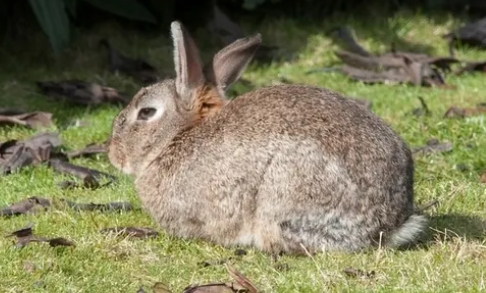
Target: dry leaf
<point>33,119</point>
<point>139,232</point>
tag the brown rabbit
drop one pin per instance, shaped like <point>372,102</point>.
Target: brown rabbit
<point>283,168</point>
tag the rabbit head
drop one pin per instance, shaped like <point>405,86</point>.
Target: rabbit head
<point>159,112</point>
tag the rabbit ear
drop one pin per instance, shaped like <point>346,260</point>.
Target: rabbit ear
<point>229,63</point>
<point>189,73</point>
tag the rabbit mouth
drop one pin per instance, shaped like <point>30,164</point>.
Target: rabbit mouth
<point>118,159</point>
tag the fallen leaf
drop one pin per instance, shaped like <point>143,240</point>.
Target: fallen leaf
<point>393,67</point>
<point>456,112</point>
<point>15,155</point>
<point>90,149</point>
<point>111,206</point>
<point>472,67</point>
<point>139,232</point>
<point>22,232</point>
<point>426,206</point>
<point>211,288</point>
<point>33,119</point>
<point>59,241</point>
<point>472,33</point>
<point>241,279</point>
<point>25,236</point>
<point>81,92</point>
<point>356,273</point>
<point>25,206</point>
<point>89,176</point>
<point>434,146</point>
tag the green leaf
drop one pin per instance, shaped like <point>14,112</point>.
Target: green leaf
<point>130,9</point>
<point>71,6</point>
<point>54,21</point>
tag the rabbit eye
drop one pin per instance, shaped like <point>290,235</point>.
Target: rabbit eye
<point>146,113</point>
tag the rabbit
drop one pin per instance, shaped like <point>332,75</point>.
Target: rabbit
<point>284,169</point>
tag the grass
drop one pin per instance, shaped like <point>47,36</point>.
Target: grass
<point>452,261</point>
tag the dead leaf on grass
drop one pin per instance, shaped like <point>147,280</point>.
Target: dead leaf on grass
<point>472,67</point>
<point>89,150</point>
<point>434,146</point>
<point>32,119</point>
<point>357,273</point>
<point>25,236</point>
<point>242,284</point>
<point>25,206</point>
<point>426,206</point>
<point>456,112</point>
<point>90,177</point>
<point>111,206</point>
<point>16,154</point>
<point>130,231</point>
<point>59,241</point>
<point>81,92</point>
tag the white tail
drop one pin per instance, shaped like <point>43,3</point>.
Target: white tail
<point>410,231</point>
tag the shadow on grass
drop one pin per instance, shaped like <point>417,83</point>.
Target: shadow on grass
<point>450,227</point>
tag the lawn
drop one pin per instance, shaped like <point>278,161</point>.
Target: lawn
<point>451,261</point>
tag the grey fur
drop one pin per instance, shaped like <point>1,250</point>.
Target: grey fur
<point>278,168</point>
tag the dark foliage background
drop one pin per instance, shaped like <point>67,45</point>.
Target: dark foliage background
<point>57,18</point>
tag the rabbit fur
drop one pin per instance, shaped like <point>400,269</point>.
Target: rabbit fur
<point>284,169</point>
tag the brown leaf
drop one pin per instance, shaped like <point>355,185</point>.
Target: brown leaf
<point>89,176</point>
<point>59,241</point>
<point>25,236</point>
<point>33,119</point>
<point>211,288</point>
<point>241,279</point>
<point>25,206</point>
<point>81,92</point>
<point>394,67</point>
<point>472,67</point>
<point>139,232</point>
<point>90,149</point>
<point>22,232</point>
<point>111,206</point>
<point>456,112</point>
<point>433,146</point>
<point>426,206</point>
<point>356,273</point>
<point>34,150</point>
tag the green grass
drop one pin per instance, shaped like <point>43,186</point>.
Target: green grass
<point>452,261</point>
